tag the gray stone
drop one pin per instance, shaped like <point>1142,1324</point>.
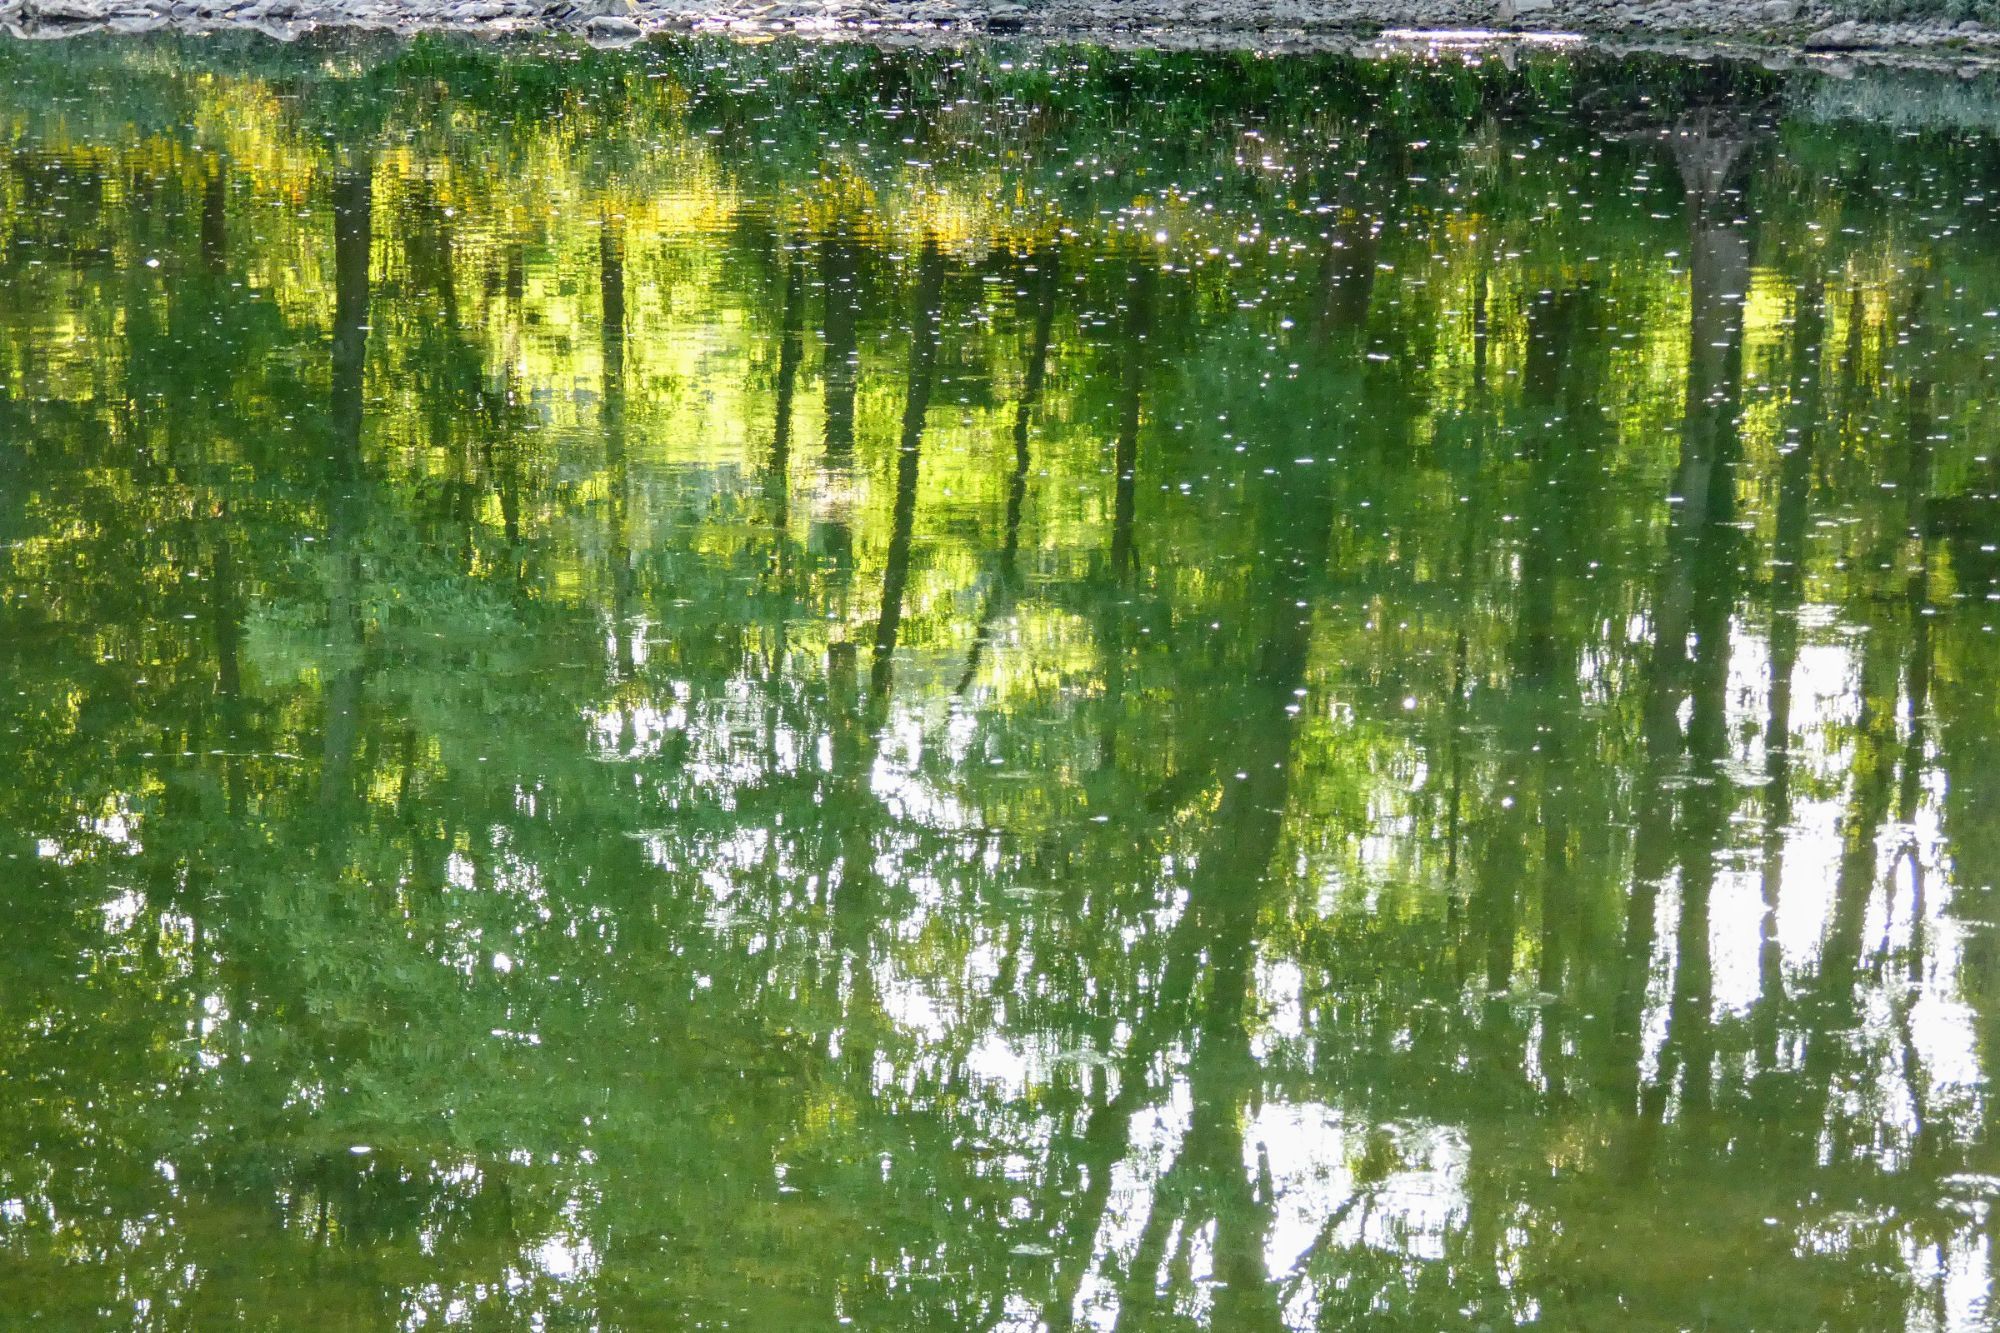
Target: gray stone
<point>63,11</point>
<point>1839,37</point>
<point>611,25</point>
<point>1780,11</point>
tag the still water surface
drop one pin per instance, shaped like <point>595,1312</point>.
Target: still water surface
<point>770,686</point>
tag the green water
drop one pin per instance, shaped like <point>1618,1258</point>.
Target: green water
<point>775,686</point>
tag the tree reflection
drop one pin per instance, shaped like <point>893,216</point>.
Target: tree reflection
<point>1376,705</point>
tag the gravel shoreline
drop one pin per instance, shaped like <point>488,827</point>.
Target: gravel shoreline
<point>1806,27</point>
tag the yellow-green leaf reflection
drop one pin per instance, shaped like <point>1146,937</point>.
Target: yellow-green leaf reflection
<point>1008,687</point>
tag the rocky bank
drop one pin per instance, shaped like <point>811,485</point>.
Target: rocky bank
<point>1806,26</point>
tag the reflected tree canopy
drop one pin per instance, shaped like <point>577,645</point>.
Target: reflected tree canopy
<point>1010,688</point>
